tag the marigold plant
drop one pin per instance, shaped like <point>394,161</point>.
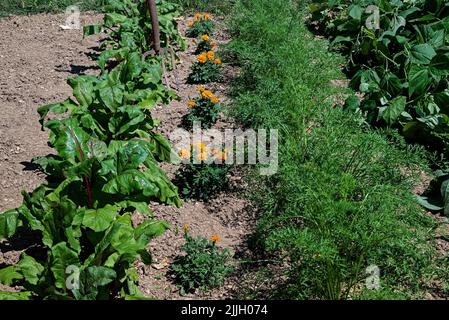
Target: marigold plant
<point>200,25</point>
<point>203,172</point>
<point>205,44</point>
<point>204,109</point>
<point>204,265</point>
<point>207,68</point>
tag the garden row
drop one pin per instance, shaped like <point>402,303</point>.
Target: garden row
<point>204,170</point>
<point>397,57</point>
<point>340,210</point>
<point>105,167</point>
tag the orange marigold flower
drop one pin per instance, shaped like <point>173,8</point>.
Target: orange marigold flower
<point>198,15</point>
<point>217,61</point>
<point>210,55</point>
<point>206,16</point>
<point>191,104</point>
<point>207,94</point>
<point>202,58</point>
<point>221,155</point>
<point>184,154</point>
<point>190,24</point>
<point>214,100</point>
<point>205,37</point>
<point>215,238</point>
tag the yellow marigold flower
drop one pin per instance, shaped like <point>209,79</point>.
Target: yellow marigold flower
<point>201,147</point>
<point>210,55</point>
<point>201,89</point>
<point>190,24</point>
<point>198,15</point>
<point>186,227</point>
<point>202,58</point>
<point>207,94</point>
<point>217,61</point>
<point>215,238</point>
<point>205,37</point>
<point>202,156</point>
<point>191,104</point>
<point>184,154</point>
<point>214,100</point>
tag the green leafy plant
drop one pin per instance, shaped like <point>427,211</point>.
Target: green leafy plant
<point>205,44</point>
<point>201,24</point>
<point>203,266</point>
<point>84,215</point>
<point>117,105</point>
<point>105,168</point>
<point>127,24</point>
<point>203,172</point>
<point>400,63</point>
<point>206,69</point>
<point>341,199</point>
<point>204,109</point>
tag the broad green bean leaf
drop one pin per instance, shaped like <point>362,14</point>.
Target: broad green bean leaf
<point>419,80</point>
<point>439,66</point>
<point>422,54</point>
<point>396,23</point>
<point>394,109</point>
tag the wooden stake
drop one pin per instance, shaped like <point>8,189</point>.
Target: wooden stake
<point>155,36</point>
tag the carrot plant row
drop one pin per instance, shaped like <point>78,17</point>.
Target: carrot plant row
<point>105,168</point>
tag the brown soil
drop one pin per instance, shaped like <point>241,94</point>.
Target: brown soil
<point>37,56</point>
<point>228,215</point>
